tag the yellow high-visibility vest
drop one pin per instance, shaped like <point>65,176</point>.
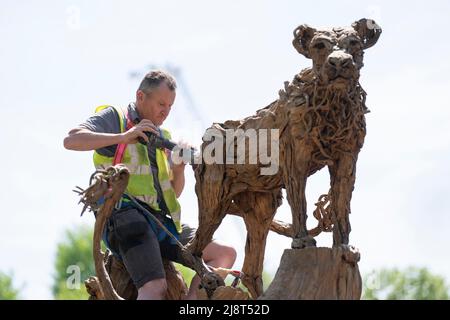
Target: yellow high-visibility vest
<point>140,184</point>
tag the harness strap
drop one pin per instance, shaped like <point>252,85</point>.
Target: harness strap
<point>120,151</point>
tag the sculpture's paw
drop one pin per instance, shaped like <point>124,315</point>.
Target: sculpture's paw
<point>304,242</point>
<point>349,253</point>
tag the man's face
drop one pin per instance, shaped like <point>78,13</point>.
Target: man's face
<point>155,106</point>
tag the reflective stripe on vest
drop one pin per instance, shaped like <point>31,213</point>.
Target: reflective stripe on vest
<point>140,185</point>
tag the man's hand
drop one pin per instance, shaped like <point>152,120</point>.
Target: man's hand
<point>138,131</point>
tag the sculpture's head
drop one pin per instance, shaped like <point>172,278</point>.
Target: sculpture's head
<point>337,53</point>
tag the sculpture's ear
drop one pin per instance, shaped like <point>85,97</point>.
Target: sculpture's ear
<point>302,38</point>
<point>368,31</point>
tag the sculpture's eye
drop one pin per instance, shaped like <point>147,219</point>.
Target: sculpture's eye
<point>319,46</point>
<point>354,43</point>
<point>351,45</point>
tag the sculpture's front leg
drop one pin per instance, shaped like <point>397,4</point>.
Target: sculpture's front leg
<point>342,173</point>
<point>296,160</point>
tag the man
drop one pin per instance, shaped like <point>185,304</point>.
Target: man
<point>156,182</point>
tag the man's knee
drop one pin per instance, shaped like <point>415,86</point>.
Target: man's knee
<point>228,252</point>
<point>152,290</point>
<point>224,253</point>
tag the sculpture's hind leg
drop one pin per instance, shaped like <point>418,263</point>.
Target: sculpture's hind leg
<point>258,210</point>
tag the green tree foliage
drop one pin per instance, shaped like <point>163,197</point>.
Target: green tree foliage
<point>186,272</point>
<point>410,284</point>
<point>7,290</point>
<point>73,264</point>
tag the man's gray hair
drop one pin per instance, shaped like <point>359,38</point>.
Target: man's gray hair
<point>154,78</point>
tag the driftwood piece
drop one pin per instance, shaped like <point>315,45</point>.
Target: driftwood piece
<point>317,273</point>
<point>108,185</point>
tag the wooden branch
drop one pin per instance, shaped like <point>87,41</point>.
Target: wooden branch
<point>109,184</point>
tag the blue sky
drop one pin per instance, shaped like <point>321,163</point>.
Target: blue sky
<point>58,60</point>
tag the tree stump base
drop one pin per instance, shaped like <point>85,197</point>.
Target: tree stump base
<point>317,274</point>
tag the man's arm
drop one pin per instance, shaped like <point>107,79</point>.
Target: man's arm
<point>178,178</point>
<point>81,139</point>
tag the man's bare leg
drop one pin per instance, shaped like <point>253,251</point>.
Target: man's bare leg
<point>153,290</point>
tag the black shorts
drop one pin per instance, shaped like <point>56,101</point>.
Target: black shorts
<point>131,236</point>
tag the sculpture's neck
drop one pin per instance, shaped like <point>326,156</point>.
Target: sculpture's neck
<point>337,98</point>
<point>318,94</point>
